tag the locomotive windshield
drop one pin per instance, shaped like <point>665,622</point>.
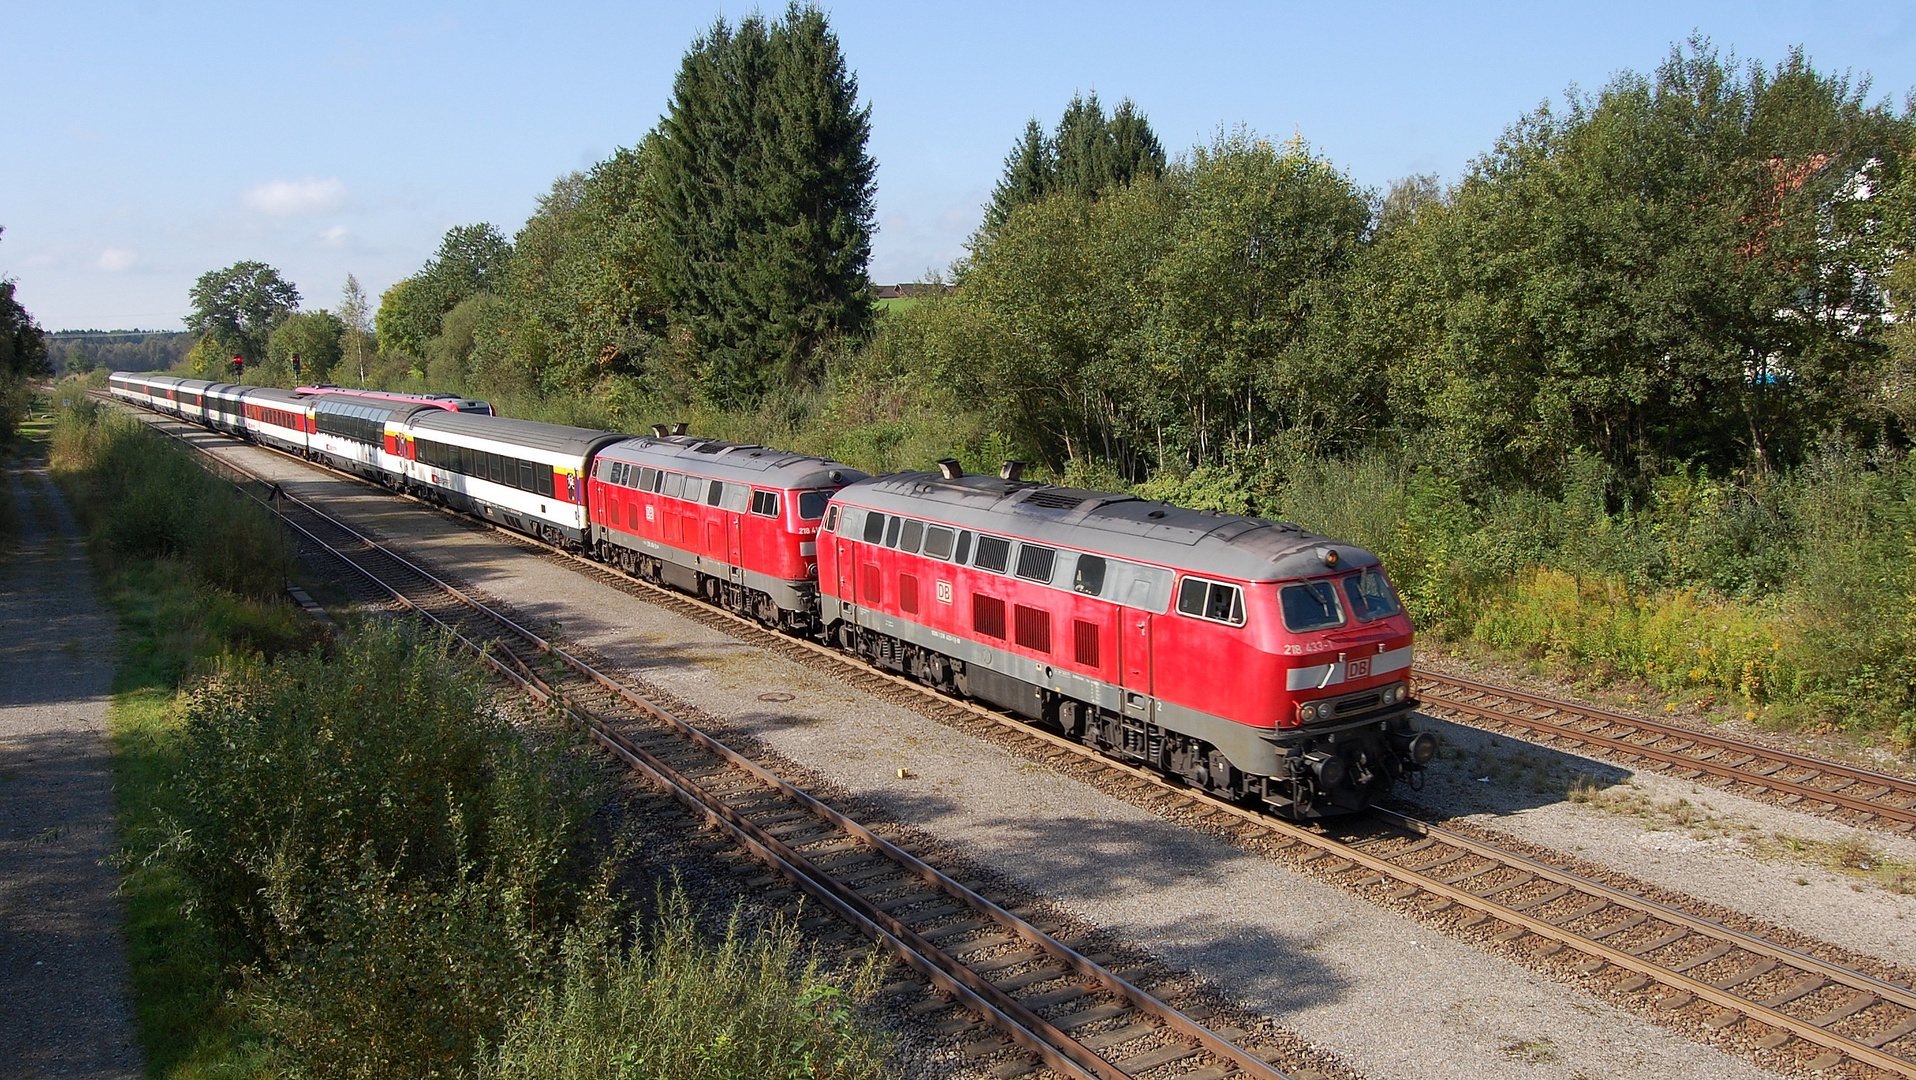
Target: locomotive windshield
<point>811,504</point>
<point>1311,605</point>
<point>1371,596</point>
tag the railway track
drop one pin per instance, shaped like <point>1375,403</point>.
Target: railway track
<point>1018,989</point>
<point>1859,796</point>
<point>1767,995</point>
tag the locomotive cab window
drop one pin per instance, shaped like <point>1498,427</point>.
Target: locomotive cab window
<point>1036,563</point>
<point>874,527</point>
<point>938,541</point>
<point>811,504</point>
<point>1211,600</point>
<point>765,503</point>
<point>994,554</point>
<point>1089,577</point>
<point>1371,596</point>
<point>1310,605</point>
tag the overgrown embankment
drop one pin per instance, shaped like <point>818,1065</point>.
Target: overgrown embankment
<point>346,859</point>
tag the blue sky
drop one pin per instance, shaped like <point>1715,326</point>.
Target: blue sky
<point>147,143</point>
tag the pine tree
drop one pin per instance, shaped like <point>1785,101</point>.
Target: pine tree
<point>764,191</point>
<point>1089,155</point>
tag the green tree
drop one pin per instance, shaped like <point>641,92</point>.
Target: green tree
<point>313,336</point>
<point>235,310</point>
<point>764,201</point>
<point>471,259</point>
<point>1089,155</point>
<point>355,315</point>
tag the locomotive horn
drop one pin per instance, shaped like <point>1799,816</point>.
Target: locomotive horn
<point>658,430</point>
<point>679,428</point>
<point>949,468</point>
<point>1012,470</point>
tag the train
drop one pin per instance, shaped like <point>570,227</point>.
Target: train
<point>1251,659</point>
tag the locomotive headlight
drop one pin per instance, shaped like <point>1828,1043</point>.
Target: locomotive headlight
<point>1423,748</point>
<point>1307,712</point>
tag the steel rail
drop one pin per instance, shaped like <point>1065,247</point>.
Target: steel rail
<point>1022,1026</point>
<point>1740,772</point>
<point>1380,866</point>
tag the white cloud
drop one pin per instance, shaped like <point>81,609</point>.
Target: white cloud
<point>333,237</point>
<point>288,198</point>
<point>115,260</point>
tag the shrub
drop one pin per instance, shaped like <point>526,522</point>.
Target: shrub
<point>678,1007</point>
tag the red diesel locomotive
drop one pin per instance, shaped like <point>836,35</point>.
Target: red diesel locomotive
<point>1249,657</point>
<point>735,524</point>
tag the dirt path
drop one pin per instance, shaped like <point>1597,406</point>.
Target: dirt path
<point>65,1005</point>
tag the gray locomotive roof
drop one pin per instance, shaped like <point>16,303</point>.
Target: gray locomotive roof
<point>1202,541</point>
<point>556,438</point>
<point>738,462</point>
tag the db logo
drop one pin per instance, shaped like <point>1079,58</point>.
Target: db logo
<point>944,592</point>
<point>651,513</point>
<point>1357,669</point>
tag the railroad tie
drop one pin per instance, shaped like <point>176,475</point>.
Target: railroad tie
<point>1862,1000</point>
<point>1884,1038</point>
<point>1654,944</point>
<point>1714,952</point>
<point>1807,985</point>
<point>1761,967</point>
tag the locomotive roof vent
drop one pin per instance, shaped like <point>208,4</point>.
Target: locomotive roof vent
<point>949,468</point>
<point>1012,470</point>
<point>658,430</point>
<point>1155,514</point>
<point>680,427</point>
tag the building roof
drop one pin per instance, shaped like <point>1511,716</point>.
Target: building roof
<point>1124,526</point>
<point>740,463</point>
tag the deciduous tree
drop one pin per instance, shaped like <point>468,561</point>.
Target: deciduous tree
<point>236,309</point>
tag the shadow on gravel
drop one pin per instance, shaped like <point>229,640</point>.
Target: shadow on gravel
<point>1478,772</point>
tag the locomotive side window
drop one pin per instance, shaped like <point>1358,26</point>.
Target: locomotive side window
<point>938,541</point>
<point>1310,605</point>
<point>617,479</point>
<point>964,548</point>
<point>1036,563</point>
<point>1212,600</point>
<point>736,497</point>
<point>891,532</point>
<point>674,484</point>
<point>874,526</point>
<point>765,503</point>
<point>994,554</point>
<point>714,492</point>
<point>648,478</point>
<point>811,504</point>
<point>1089,580</point>
<point>831,520</point>
<point>913,535</point>
<point>1371,596</point>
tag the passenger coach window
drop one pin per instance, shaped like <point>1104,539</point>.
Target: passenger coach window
<point>542,481</point>
<point>811,504</point>
<point>1310,605</point>
<point>1035,563</point>
<point>1212,600</point>
<point>994,553</point>
<point>874,527</point>
<point>1089,578</point>
<point>938,541</point>
<point>913,535</point>
<point>1371,596</point>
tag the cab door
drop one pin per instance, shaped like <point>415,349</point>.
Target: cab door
<point>735,546</point>
<point>1134,649</point>
<point>841,571</point>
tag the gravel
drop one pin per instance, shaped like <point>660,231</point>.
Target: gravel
<point>64,993</point>
<point>1389,997</point>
